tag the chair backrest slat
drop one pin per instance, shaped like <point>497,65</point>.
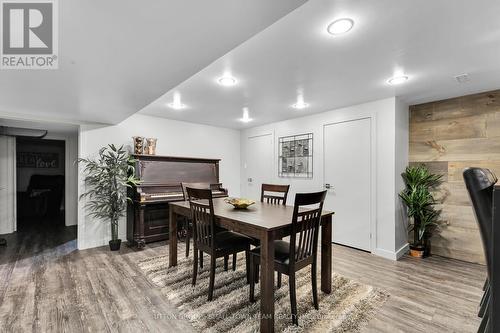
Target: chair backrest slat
<point>305,225</point>
<point>202,215</point>
<point>273,198</point>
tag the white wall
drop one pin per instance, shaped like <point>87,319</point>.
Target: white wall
<point>175,138</point>
<point>7,185</point>
<point>389,159</point>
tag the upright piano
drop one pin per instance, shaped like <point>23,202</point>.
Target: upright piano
<point>161,182</point>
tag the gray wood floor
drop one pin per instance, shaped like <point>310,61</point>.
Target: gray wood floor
<point>46,285</point>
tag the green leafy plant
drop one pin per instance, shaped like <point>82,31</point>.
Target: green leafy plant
<point>419,201</point>
<point>107,178</point>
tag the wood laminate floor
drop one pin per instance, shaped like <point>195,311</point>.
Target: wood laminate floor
<point>46,285</point>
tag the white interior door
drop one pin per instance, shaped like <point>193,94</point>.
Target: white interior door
<point>347,156</point>
<point>7,184</point>
<point>259,164</point>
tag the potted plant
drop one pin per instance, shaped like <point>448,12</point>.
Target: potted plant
<point>107,179</point>
<point>419,201</point>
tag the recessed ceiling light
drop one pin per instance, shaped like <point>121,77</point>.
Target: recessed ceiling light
<point>300,102</point>
<point>227,81</point>
<point>246,117</point>
<point>340,26</point>
<point>398,79</point>
<point>300,105</point>
<point>176,106</point>
<point>176,103</point>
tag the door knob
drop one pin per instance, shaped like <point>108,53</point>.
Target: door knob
<point>328,186</point>
<point>250,180</point>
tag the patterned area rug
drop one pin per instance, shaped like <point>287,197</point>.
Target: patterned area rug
<point>346,309</point>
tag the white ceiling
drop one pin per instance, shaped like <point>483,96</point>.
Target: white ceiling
<point>430,41</point>
<point>117,56</point>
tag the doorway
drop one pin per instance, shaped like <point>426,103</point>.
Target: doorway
<point>40,184</point>
<point>259,164</point>
<point>348,168</point>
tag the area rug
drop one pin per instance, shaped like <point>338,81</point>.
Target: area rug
<point>346,309</point>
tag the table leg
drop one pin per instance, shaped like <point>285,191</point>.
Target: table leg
<point>326,254</point>
<point>267,282</point>
<point>172,241</point>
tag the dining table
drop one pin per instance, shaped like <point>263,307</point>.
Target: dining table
<point>266,222</point>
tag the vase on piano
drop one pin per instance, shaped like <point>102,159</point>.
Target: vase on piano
<point>138,145</point>
<point>151,146</point>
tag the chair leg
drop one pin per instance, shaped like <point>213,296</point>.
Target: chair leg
<point>484,322</point>
<point>484,302</point>
<point>314,280</point>
<point>188,238</point>
<point>235,256</point>
<point>252,280</point>
<point>201,259</point>
<point>212,278</point>
<point>247,264</point>
<point>293,298</point>
<point>195,266</point>
<point>226,259</point>
<point>486,283</point>
<point>279,280</point>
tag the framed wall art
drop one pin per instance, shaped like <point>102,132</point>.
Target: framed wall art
<point>296,156</point>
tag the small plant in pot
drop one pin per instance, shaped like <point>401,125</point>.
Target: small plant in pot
<point>420,207</point>
<point>107,178</point>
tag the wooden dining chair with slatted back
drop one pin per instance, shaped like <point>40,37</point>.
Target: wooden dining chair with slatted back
<point>206,238</point>
<point>189,228</point>
<point>273,194</point>
<point>300,252</point>
<point>277,196</point>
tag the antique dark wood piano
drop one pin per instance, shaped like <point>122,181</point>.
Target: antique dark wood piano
<point>161,182</point>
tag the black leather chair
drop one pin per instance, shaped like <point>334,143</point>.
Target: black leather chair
<point>480,183</point>
<point>207,239</point>
<point>43,197</point>
<point>300,252</point>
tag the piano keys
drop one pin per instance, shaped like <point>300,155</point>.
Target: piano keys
<point>161,182</point>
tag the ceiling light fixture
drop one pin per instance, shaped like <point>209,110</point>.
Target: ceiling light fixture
<point>227,81</point>
<point>300,103</point>
<point>246,117</point>
<point>176,103</point>
<point>397,79</point>
<point>340,26</point>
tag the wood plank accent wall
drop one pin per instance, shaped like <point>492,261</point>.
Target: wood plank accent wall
<point>448,136</point>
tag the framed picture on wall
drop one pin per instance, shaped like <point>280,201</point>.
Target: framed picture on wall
<point>296,156</point>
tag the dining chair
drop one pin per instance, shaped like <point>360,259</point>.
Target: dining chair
<point>480,184</point>
<point>272,197</point>
<point>207,239</point>
<point>273,194</point>
<point>189,229</point>
<point>300,252</point>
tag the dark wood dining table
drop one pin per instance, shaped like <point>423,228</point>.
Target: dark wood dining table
<point>266,222</point>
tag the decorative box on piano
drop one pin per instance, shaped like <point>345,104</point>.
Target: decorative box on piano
<point>161,182</point>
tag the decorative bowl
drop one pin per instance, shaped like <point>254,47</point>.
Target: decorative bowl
<point>239,203</point>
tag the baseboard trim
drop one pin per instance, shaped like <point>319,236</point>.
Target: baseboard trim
<point>392,255</point>
<point>402,251</point>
